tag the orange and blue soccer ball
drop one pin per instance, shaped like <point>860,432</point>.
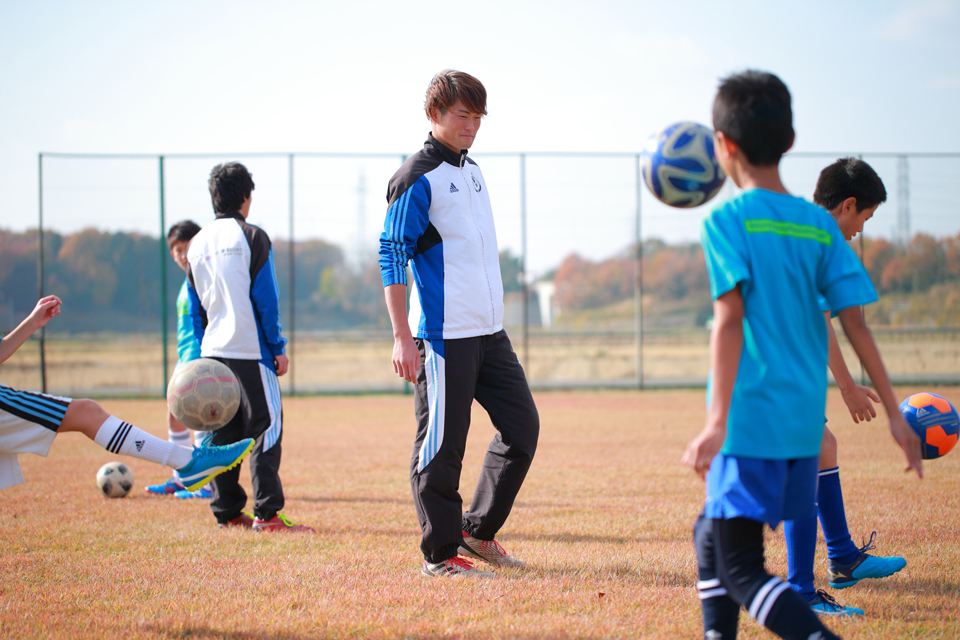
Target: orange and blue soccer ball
<point>679,166</point>
<point>935,421</point>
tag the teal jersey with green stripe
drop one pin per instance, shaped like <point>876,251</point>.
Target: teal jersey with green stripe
<point>785,254</point>
<point>188,344</point>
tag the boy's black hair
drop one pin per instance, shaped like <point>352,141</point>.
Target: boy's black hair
<point>753,109</point>
<point>230,184</point>
<point>183,230</point>
<point>849,178</point>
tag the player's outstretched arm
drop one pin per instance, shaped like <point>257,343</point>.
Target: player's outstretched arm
<point>726,343</point>
<point>862,340</point>
<point>406,356</point>
<point>46,308</point>
<point>856,397</point>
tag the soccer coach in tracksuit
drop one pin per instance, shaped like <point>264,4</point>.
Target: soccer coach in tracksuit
<point>439,216</point>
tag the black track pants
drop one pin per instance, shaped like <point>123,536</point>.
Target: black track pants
<point>452,374</point>
<point>260,417</point>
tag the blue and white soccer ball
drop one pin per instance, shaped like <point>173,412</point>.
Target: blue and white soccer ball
<point>679,165</point>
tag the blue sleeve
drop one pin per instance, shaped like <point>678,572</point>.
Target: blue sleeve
<point>842,280</point>
<point>196,316</point>
<point>265,295</point>
<point>725,252</point>
<point>407,219</point>
<point>822,303</point>
<point>188,344</point>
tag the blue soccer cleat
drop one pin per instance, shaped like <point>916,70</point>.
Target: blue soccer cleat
<point>824,604</point>
<point>842,576</point>
<point>202,492</point>
<point>209,462</point>
<point>165,489</point>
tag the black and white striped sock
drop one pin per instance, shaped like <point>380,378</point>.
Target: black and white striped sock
<point>125,439</point>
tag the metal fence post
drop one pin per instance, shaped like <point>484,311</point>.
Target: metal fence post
<point>163,283</point>
<point>293,297</point>
<point>407,389</point>
<point>43,363</point>
<point>638,277</point>
<point>523,260</point>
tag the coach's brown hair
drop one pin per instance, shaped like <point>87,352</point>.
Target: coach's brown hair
<point>448,86</point>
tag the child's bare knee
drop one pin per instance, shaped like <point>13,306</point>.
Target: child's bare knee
<point>85,416</point>
<point>829,444</point>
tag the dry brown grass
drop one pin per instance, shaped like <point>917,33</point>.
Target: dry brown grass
<point>603,521</point>
<point>131,365</point>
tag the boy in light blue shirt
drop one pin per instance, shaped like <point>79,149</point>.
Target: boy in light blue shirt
<point>188,349</point>
<point>769,256</point>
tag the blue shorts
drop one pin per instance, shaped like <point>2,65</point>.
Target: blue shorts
<point>765,490</point>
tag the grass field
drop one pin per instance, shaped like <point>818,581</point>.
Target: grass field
<point>130,365</point>
<point>603,522</point>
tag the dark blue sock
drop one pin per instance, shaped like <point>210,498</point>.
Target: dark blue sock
<point>833,518</point>
<point>801,538</point>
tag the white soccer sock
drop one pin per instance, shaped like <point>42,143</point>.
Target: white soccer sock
<point>121,437</point>
<point>180,438</point>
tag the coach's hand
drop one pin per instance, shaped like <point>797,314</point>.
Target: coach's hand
<point>406,357</point>
<point>283,363</point>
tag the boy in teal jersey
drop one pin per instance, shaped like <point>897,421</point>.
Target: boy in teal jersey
<point>188,349</point>
<point>770,256</point>
<point>851,191</point>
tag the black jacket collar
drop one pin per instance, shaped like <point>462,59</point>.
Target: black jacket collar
<point>456,159</point>
<point>231,214</point>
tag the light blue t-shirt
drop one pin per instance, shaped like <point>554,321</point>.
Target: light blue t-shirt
<point>784,252</point>
<point>188,347</point>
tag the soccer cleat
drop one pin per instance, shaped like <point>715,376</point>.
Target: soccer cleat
<point>824,604</point>
<point>280,522</point>
<point>455,567</point>
<point>202,492</point>
<point>842,576</point>
<point>243,521</point>
<point>165,489</point>
<point>488,551</point>
<point>209,462</point>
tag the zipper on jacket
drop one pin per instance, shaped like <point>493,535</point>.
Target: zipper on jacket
<point>483,250</point>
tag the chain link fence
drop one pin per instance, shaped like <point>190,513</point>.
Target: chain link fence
<point>604,286</point>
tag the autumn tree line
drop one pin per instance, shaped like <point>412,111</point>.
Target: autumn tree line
<point>110,281</point>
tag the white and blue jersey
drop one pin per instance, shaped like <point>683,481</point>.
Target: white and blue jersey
<point>232,294</point>
<point>439,217</point>
<point>784,253</point>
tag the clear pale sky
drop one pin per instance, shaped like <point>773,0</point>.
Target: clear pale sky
<point>205,76</point>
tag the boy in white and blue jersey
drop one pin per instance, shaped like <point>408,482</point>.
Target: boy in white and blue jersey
<point>769,256</point>
<point>188,349</point>
<point>234,303</point>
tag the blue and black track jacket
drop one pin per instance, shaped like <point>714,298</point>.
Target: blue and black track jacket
<point>439,216</point>
<point>233,294</point>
